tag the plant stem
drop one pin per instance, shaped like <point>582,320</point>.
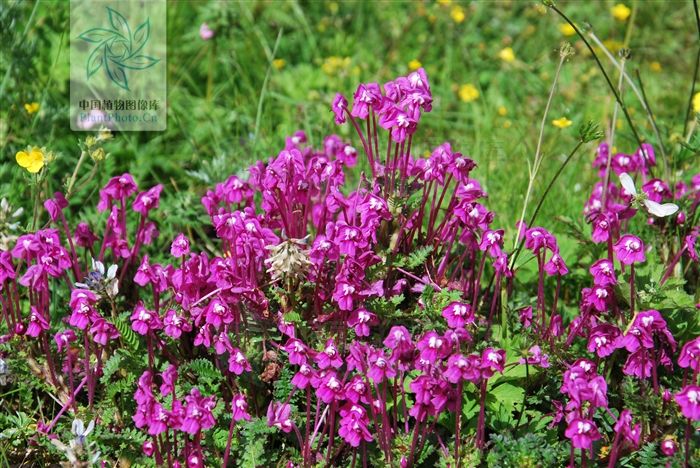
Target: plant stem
<point>602,70</point>
<point>538,155</point>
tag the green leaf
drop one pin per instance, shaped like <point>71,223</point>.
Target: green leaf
<point>97,35</point>
<point>95,61</point>
<point>119,23</point>
<point>116,73</point>
<point>141,35</point>
<point>139,62</point>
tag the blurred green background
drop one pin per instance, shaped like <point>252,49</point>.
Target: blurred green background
<point>273,68</point>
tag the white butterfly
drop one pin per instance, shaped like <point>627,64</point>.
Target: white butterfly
<point>657,209</point>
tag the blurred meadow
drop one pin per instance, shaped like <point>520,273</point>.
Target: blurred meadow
<point>272,68</point>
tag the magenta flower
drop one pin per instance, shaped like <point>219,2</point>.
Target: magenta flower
<point>690,355</point>
<point>536,358</point>
<point>339,107</point>
<point>526,316</point>
<point>329,388</point>
<point>278,416</point>
<point>465,368</point>
<point>118,188</point>
<point>143,320</point>
<point>175,324</point>
<point>103,331</point>
<point>432,347</point>
<point>239,407</point>
<point>624,427</point>
<point>180,246</point>
<point>237,362</point>
<point>556,266</point>
<point>354,425</point>
<point>458,314</point>
<point>198,412</point>
<point>492,242</point>
<point>303,377</point>
<point>168,377</point>
<point>367,96</point>
<point>55,205</point>
<point>297,351</point>
<point>629,249</point>
<point>81,303</point>
<point>357,390</point>
<point>218,313</point>
<point>537,238</point>
<point>329,357</point>
<point>399,338</point>
<point>602,339</point>
<point>582,433</point>
<point>148,200</point>
<point>361,319</point>
<point>689,401</point>
<point>492,360</point>
<point>669,446</point>
<point>380,367</point>
<point>64,338</point>
<point>603,273</point>
<point>37,323</point>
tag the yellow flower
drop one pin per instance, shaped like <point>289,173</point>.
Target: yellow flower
<point>507,124</point>
<point>31,107</point>
<point>457,14</point>
<point>655,66</point>
<point>468,93</point>
<point>32,159</point>
<point>696,103</point>
<point>507,55</point>
<point>445,2</point>
<point>98,154</point>
<point>502,111</point>
<point>566,29</point>
<point>279,63</point>
<point>562,122</point>
<point>414,64</point>
<point>621,12</point>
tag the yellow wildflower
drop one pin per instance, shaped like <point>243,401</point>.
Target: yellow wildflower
<point>414,64</point>
<point>445,2</point>
<point>31,107</point>
<point>457,14</point>
<point>562,122</point>
<point>655,66</point>
<point>507,124</point>
<point>696,103</point>
<point>566,29</point>
<point>98,154</point>
<point>507,55</point>
<point>621,12</point>
<point>32,159</point>
<point>104,134</point>
<point>502,111</point>
<point>468,93</point>
<point>279,63</point>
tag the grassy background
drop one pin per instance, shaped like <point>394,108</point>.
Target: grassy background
<point>224,114</point>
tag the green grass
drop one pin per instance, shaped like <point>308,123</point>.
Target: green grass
<point>223,114</point>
